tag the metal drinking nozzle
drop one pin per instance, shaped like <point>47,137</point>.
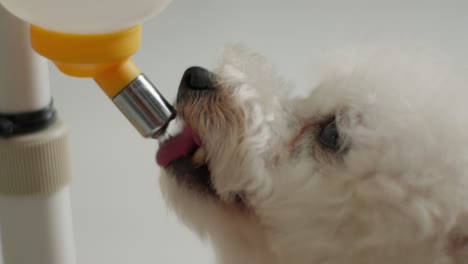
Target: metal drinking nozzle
<point>145,107</point>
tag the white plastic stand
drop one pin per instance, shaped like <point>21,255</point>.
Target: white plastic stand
<point>37,229</point>
<point>35,209</point>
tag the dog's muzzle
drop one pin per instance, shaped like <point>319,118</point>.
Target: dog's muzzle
<point>178,154</point>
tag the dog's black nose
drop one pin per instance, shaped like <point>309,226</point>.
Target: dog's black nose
<point>195,79</point>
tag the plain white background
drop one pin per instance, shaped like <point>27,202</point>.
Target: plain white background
<point>119,214</point>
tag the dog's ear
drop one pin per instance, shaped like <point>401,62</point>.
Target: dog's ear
<point>458,241</point>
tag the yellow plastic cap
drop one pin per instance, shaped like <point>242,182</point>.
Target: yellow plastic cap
<point>104,57</point>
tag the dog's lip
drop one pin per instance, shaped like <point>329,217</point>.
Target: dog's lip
<point>178,146</point>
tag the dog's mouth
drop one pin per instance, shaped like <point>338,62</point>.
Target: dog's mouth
<point>184,156</point>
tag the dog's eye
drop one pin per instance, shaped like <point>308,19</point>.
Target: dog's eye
<point>329,136</point>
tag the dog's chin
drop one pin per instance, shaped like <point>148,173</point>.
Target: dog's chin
<point>194,177</point>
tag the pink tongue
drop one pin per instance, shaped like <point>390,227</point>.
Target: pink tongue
<point>177,147</point>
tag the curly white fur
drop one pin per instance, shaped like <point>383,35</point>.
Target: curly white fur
<point>397,192</point>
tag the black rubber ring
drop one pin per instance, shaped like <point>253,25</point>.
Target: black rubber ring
<point>25,123</point>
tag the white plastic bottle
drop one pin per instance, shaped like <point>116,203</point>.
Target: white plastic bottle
<point>85,16</point>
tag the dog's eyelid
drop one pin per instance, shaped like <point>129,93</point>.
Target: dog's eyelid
<point>311,126</point>
<point>329,136</point>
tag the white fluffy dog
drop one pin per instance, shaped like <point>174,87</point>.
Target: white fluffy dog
<point>370,167</point>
